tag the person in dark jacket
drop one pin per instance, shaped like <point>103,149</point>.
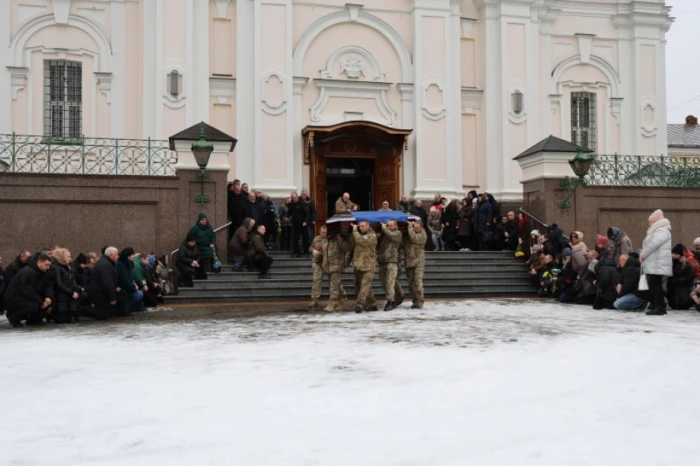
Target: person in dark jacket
<point>607,278</point>
<point>566,280</point>
<point>188,261</point>
<point>16,265</point>
<point>404,206</point>
<point>206,242</point>
<point>464,230</point>
<point>239,243</point>
<point>680,285</point>
<point>130,295</point>
<point>558,239</point>
<point>300,217</point>
<point>482,219</point>
<point>312,213</point>
<point>236,205</point>
<point>511,232</point>
<point>252,209</point>
<point>627,288</point>
<point>66,290</point>
<point>102,289</point>
<point>81,272</point>
<point>419,211</point>
<point>260,259</point>
<point>30,294</point>
<point>550,246</point>
<point>449,219</point>
<point>495,206</point>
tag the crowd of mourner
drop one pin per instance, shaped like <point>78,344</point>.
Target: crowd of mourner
<point>51,285</point>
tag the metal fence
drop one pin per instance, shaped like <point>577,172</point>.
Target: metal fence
<point>86,156</point>
<point>642,170</point>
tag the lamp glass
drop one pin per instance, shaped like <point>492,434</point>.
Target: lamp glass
<point>581,164</point>
<point>202,151</point>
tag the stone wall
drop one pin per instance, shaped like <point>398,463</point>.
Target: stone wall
<point>86,213</point>
<point>595,208</point>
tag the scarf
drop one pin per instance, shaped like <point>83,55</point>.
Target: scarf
<point>522,221</point>
<point>659,224</point>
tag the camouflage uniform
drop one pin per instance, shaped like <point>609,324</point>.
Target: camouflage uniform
<point>363,259</point>
<point>343,206</point>
<point>319,244</point>
<point>414,247</point>
<point>389,263</point>
<point>336,256</point>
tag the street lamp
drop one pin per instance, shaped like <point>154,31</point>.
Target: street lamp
<point>202,151</point>
<point>581,165</point>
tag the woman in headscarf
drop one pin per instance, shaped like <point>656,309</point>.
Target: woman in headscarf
<point>205,238</point>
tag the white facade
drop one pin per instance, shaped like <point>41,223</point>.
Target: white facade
<point>262,70</point>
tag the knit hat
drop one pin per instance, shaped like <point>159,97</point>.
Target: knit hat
<point>656,216</point>
<point>553,227</point>
<point>678,249</point>
<point>696,242</point>
<point>566,252</point>
<point>201,216</point>
<point>535,233</point>
<point>191,237</point>
<point>602,240</point>
<point>474,201</point>
<point>81,259</point>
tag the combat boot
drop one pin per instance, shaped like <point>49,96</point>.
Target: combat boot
<point>341,304</point>
<point>359,309</point>
<point>331,307</point>
<point>417,305</point>
<point>389,306</point>
<point>313,305</point>
<point>398,301</point>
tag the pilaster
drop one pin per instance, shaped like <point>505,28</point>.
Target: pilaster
<point>150,101</point>
<point>247,107</point>
<point>5,78</point>
<point>199,70</point>
<point>117,94</point>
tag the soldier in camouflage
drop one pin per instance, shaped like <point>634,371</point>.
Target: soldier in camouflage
<point>389,264</point>
<point>318,245</point>
<point>336,257</point>
<point>414,250</point>
<point>364,259</point>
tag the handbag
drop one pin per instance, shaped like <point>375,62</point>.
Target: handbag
<point>643,282</point>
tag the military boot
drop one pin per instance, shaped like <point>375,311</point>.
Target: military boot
<point>331,306</point>
<point>341,304</point>
<point>313,305</point>
<point>398,301</point>
<point>417,305</point>
<point>359,309</point>
<point>389,306</point>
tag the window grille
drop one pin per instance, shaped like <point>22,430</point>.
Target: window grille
<point>63,99</point>
<point>583,120</point>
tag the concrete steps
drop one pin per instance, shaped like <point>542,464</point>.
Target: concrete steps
<point>447,275</point>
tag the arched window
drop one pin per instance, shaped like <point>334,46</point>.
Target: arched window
<point>63,99</point>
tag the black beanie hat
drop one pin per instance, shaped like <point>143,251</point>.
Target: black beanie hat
<point>678,249</point>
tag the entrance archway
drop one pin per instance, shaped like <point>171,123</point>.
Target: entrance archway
<point>359,157</point>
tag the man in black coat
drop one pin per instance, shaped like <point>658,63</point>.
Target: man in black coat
<point>236,205</point>
<point>482,220</point>
<point>16,265</point>
<point>30,294</point>
<point>559,240</point>
<point>607,278</point>
<point>419,212</point>
<point>102,289</point>
<point>511,232</point>
<point>299,216</point>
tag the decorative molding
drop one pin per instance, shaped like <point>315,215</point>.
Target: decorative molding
<point>27,11</point>
<point>168,99</point>
<point>273,108</point>
<point>349,69</point>
<point>298,82</point>
<point>616,108</point>
<point>585,42</point>
<point>467,27</point>
<point>222,88</point>
<point>61,10</point>
<point>353,116</point>
<point>406,91</point>
<point>353,10</point>
<point>31,27</point>
<point>104,84</point>
<point>18,79</point>
<point>647,102</point>
<point>595,61</point>
<point>352,89</point>
<point>440,111</point>
<point>354,14</point>
<point>98,14</point>
<point>555,103</point>
<point>472,94</point>
<point>222,8</point>
<point>512,116</point>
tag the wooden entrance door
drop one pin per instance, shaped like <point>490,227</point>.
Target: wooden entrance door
<point>386,181</point>
<point>319,189</point>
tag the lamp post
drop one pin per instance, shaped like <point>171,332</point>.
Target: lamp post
<point>581,165</point>
<point>202,151</point>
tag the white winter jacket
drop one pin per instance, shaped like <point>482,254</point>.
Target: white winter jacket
<point>656,249</point>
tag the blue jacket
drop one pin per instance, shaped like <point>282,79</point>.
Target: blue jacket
<point>482,216</point>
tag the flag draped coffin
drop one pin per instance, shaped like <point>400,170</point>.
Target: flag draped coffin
<point>342,223</point>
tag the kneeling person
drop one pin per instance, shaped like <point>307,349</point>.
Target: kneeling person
<point>30,294</point>
<point>259,257</point>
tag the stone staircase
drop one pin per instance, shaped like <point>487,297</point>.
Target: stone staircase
<point>447,275</point>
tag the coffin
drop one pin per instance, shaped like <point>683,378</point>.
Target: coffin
<point>342,223</point>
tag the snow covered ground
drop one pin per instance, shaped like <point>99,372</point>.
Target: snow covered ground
<point>467,383</point>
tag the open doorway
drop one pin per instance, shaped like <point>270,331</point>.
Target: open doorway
<point>349,175</point>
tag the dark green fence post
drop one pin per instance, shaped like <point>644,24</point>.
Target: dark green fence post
<point>616,170</point>
<point>149,156</point>
<point>116,156</point>
<point>14,151</point>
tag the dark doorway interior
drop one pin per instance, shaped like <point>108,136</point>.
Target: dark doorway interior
<point>349,175</point>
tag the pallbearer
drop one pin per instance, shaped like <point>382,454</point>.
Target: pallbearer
<point>389,264</point>
<point>414,250</point>
<point>364,259</point>
<point>336,257</point>
<point>318,245</point>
